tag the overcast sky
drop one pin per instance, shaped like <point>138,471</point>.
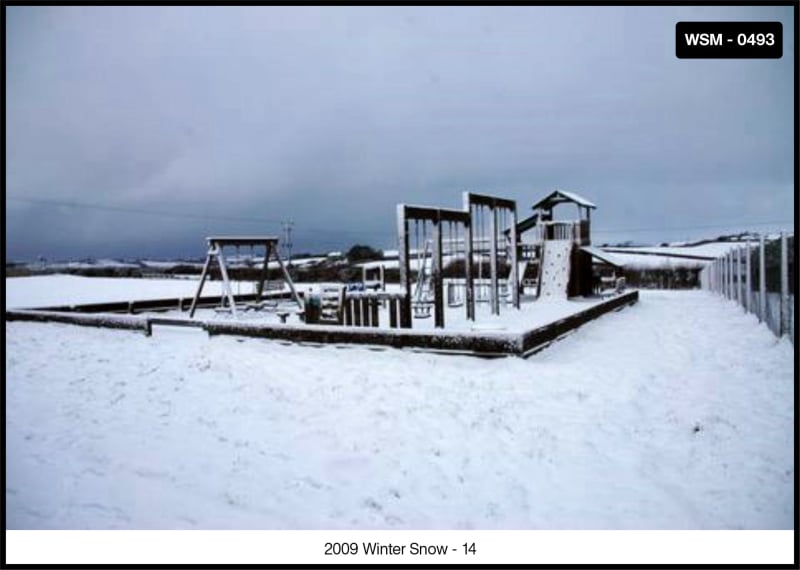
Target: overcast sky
<point>137,131</point>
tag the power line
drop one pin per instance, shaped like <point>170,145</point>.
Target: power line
<point>281,223</point>
<point>126,210</point>
<point>86,206</point>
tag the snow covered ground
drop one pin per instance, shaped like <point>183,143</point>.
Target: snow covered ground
<point>51,290</point>
<point>676,413</point>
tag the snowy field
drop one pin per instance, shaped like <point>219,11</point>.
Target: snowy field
<point>51,290</point>
<point>676,413</point>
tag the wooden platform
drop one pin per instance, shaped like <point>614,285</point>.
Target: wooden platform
<point>480,343</point>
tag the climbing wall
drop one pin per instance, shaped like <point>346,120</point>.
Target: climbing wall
<point>555,269</point>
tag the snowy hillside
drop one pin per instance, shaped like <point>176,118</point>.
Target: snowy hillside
<point>675,413</point>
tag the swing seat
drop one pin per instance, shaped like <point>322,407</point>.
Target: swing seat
<point>269,306</point>
<point>421,310</point>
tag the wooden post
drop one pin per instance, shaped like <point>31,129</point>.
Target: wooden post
<point>226,282</point>
<point>364,311</point>
<point>715,281</point>
<point>730,275</point>
<point>469,285</point>
<point>393,313</point>
<point>739,291</point>
<point>762,281</point>
<point>512,234</point>
<point>493,287</point>
<point>263,275</point>
<point>784,329</point>
<point>288,279</point>
<point>436,275</point>
<point>346,309</point>
<point>202,282</point>
<point>374,314</point>
<point>748,280</point>
<point>405,273</point>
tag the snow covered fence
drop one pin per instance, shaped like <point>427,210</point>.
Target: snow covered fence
<point>103,320</point>
<point>760,277</point>
<point>482,343</point>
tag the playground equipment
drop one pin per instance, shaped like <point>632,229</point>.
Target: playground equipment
<point>552,258</point>
<point>555,269</point>
<point>479,228</point>
<point>559,251</point>
<point>216,245</point>
<point>421,299</point>
<point>423,218</point>
<point>491,215</point>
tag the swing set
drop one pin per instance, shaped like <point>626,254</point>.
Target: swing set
<point>216,245</point>
<point>494,222</point>
<point>485,227</point>
<point>430,227</point>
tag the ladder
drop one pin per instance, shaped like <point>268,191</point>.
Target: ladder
<point>332,301</point>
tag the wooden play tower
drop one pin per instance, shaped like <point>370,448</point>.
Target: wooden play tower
<point>542,227</point>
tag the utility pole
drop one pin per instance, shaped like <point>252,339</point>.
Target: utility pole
<point>287,240</point>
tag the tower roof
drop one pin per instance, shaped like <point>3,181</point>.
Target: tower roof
<point>561,196</point>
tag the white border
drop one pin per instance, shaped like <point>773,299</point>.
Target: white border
<point>308,547</point>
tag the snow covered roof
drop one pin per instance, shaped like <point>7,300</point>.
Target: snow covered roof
<point>609,258</point>
<point>559,196</point>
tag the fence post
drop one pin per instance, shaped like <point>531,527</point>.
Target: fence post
<point>739,275</point>
<point>784,328</point>
<point>748,284</point>
<point>724,275</point>
<point>762,282</point>
<point>729,256</point>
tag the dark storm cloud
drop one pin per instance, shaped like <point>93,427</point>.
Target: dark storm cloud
<point>331,116</point>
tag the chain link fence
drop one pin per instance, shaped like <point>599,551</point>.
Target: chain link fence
<point>759,275</point>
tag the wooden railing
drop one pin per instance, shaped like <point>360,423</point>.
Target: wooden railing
<point>363,309</point>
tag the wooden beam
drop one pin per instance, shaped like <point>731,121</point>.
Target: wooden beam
<point>226,282</point>
<point>469,293</point>
<point>264,274</point>
<point>785,315</point>
<point>435,214</point>
<point>202,282</point>
<point>491,201</point>
<point>374,313</point>
<point>436,276</point>
<point>493,287</point>
<point>393,310</point>
<point>242,240</point>
<point>762,281</point>
<point>405,273</point>
<point>748,284</point>
<point>513,247</point>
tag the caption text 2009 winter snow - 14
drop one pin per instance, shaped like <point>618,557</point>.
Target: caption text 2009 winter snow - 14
<point>378,549</point>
